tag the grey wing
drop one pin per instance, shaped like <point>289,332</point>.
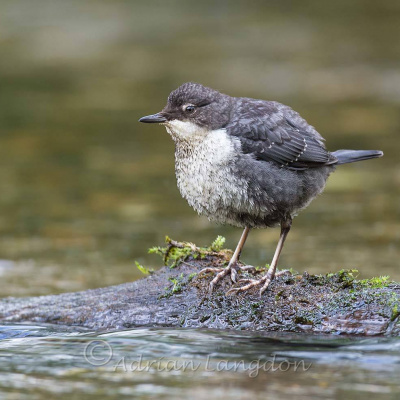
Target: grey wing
<point>274,132</point>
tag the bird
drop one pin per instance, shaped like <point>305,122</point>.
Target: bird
<point>248,163</point>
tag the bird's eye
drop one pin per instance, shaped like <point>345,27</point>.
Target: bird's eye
<point>189,108</point>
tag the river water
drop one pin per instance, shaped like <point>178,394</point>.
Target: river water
<point>41,362</point>
<point>85,189</point>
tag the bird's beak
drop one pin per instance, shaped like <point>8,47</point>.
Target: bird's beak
<point>153,119</point>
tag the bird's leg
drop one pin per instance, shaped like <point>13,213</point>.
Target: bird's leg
<point>269,276</point>
<point>232,266</point>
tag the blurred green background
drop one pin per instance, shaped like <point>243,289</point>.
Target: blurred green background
<point>85,189</point>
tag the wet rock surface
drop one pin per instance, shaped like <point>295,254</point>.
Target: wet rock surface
<point>177,297</point>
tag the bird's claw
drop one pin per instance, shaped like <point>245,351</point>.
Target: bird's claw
<point>248,268</point>
<point>233,275</point>
<point>209,270</point>
<point>247,280</point>
<point>221,273</point>
<point>232,270</point>
<point>264,281</point>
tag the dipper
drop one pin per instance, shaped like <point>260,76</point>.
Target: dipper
<point>247,163</point>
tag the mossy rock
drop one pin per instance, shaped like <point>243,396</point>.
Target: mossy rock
<point>175,296</point>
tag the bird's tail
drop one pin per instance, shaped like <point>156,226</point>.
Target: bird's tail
<point>349,156</point>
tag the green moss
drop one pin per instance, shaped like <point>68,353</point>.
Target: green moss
<point>144,270</point>
<point>343,278</point>
<point>337,296</point>
<point>217,244</point>
<point>191,276</point>
<point>395,312</point>
<point>363,293</point>
<point>177,284</point>
<point>279,295</point>
<point>377,282</point>
<point>347,278</point>
<point>176,252</point>
<point>172,254</point>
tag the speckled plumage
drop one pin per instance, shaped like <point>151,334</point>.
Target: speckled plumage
<point>248,163</point>
<point>245,162</point>
<point>237,189</point>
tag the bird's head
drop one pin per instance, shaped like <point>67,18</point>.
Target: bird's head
<point>192,108</point>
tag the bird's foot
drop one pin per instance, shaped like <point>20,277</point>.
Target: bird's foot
<point>264,281</point>
<point>221,273</point>
<point>209,270</point>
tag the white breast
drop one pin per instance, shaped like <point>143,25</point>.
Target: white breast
<point>203,165</point>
